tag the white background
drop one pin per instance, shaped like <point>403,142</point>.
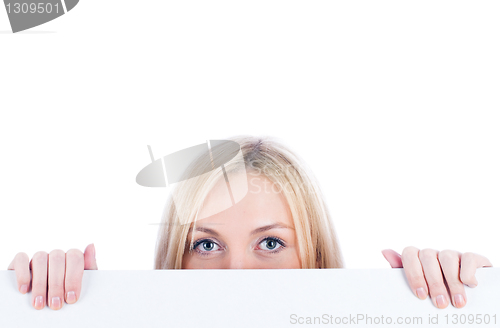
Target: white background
<point>394,105</point>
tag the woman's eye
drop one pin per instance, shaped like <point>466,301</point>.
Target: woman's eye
<point>206,246</point>
<point>270,244</point>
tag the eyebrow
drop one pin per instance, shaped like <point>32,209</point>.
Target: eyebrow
<point>255,231</point>
<point>206,230</point>
<point>271,226</point>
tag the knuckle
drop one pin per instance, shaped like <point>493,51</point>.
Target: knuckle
<point>22,256</point>
<point>56,287</point>
<point>74,254</point>
<point>468,256</point>
<point>40,259</point>
<point>39,286</point>
<point>466,278</point>
<point>455,286</point>
<point>40,254</point>
<point>415,278</point>
<point>57,254</point>
<point>436,285</point>
<point>72,283</point>
<point>448,255</point>
<point>427,253</point>
<point>409,250</point>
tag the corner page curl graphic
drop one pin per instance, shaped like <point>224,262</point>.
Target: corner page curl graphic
<point>25,14</point>
<point>200,166</point>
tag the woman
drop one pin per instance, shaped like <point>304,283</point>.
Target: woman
<point>254,206</point>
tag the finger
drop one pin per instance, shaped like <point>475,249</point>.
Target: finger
<point>450,265</point>
<point>74,275</point>
<point>393,258</point>
<point>89,257</point>
<point>414,272</point>
<point>468,265</point>
<point>434,277</point>
<point>21,264</point>
<point>38,267</point>
<point>57,268</point>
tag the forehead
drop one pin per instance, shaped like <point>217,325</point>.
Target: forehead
<point>264,203</point>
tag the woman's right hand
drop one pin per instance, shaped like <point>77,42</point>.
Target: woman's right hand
<point>62,272</point>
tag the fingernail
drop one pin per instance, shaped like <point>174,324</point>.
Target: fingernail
<point>421,293</point>
<point>471,285</point>
<point>56,302</point>
<point>440,301</point>
<point>70,297</point>
<point>39,302</point>
<point>24,289</point>
<point>459,300</point>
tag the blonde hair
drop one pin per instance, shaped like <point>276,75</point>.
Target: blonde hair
<point>317,240</point>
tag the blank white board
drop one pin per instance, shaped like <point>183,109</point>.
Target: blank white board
<point>251,298</point>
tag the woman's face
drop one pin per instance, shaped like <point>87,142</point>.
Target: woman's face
<point>255,233</point>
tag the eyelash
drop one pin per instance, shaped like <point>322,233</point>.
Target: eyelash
<point>199,242</point>
<point>276,239</point>
<point>205,253</point>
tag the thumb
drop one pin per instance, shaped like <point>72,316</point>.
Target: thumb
<point>393,258</point>
<point>89,258</point>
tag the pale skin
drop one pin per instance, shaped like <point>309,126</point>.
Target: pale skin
<point>256,233</point>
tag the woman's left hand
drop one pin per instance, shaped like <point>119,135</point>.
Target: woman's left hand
<point>423,271</point>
